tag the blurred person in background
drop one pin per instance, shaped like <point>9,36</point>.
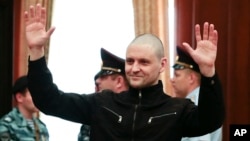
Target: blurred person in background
<point>110,77</point>
<point>186,84</point>
<point>22,123</point>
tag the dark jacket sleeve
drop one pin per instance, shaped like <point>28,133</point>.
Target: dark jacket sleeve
<point>211,110</point>
<point>50,100</point>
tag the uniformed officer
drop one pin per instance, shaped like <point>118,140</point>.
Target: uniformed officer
<point>112,77</point>
<point>186,84</point>
<point>22,123</point>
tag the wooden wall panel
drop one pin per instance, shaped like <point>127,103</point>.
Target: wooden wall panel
<point>184,21</point>
<point>20,56</point>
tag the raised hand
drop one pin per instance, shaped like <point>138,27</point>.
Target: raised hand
<point>206,50</point>
<point>36,34</point>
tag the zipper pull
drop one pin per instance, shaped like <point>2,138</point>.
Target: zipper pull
<point>140,96</point>
<point>150,120</point>
<point>120,119</point>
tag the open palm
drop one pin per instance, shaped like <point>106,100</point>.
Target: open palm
<point>205,52</point>
<point>35,21</point>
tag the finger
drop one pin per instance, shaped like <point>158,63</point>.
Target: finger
<point>26,17</point>
<point>214,40</point>
<point>31,12</point>
<point>50,31</point>
<point>186,47</point>
<point>205,31</point>
<point>38,13</point>
<point>43,16</point>
<point>211,32</point>
<point>197,33</point>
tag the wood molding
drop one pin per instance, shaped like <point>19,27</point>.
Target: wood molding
<point>20,53</point>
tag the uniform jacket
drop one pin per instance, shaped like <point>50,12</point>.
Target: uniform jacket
<point>84,133</point>
<point>14,127</point>
<point>136,115</point>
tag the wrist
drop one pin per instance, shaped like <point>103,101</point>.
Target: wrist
<point>36,53</point>
<point>207,71</point>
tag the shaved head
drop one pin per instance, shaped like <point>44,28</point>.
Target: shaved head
<point>150,41</point>
<point>144,61</point>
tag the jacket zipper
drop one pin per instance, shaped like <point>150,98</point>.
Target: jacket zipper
<point>151,118</point>
<point>134,117</point>
<point>119,116</point>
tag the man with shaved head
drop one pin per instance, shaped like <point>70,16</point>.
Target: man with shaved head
<point>144,111</point>
<point>151,41</point>
<point>145,61</point>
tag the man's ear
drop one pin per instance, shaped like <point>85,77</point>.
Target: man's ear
<point>163,64</point>
<point>196,77</point>
<point>193,77</point>
<point>19,97</point>
<point>119,81</point>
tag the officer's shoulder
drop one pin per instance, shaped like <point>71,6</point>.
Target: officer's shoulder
<point>106,93</point>
<point>3,126</point>
<point>8,118</point>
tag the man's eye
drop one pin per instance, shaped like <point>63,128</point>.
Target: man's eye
<point>144,62</point>
<point>129,61</point>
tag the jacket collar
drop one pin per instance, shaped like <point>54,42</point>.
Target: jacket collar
<point>147,95</point>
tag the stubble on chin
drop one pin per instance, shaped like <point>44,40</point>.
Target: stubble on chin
<point>135,84</point>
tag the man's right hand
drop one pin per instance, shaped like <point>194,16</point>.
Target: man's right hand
<point>36,34</point>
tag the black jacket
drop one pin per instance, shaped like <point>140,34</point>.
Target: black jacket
<point>135,115</point>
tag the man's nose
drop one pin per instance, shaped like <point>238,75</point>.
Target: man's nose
<point>135,67</point>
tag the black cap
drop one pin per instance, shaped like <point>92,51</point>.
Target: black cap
<point>96,76</point>
<point>111,64</point>
<point>20,84</point>
<point>183,60</point>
